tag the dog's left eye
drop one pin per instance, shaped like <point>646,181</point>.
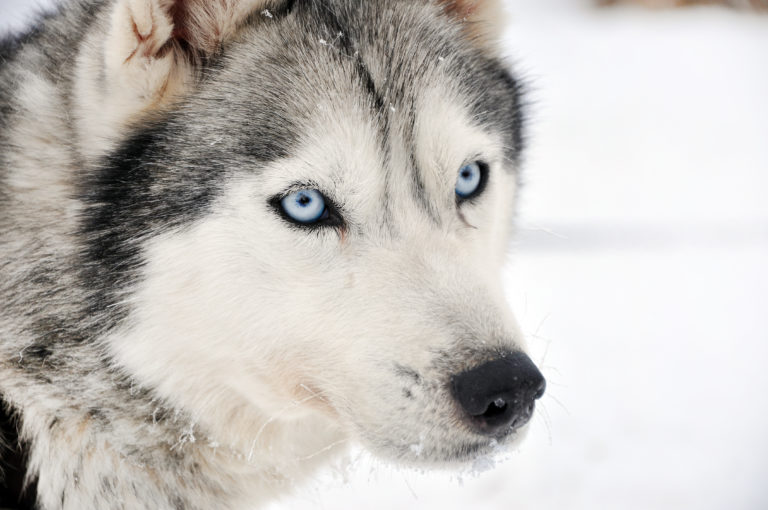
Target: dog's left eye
<point>471,180</point>
<point>306,206</point>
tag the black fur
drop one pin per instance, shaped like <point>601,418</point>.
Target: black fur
<point>13,465</point>
<point>147,187</point>
<point>122,209</point>
<point>165,174</point>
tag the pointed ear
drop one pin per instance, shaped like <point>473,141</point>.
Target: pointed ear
<point>484,20</point>
<point>147,56</point>
<point>153,45</point>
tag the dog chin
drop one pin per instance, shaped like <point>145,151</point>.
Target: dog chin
<point>447,453</point>
<point>469,452</point>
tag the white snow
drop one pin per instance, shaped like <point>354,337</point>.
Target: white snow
<point>640,272</point>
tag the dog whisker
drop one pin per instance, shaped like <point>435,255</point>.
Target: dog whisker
<point>324,450</point>
<point>558,402</point>
<point>541,412</point>
<point>273,418</point>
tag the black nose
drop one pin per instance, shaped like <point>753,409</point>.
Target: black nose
<point>500,394</point>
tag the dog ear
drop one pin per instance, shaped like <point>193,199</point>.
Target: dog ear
<point>152,46</point>
<point>149,25</point>
<point>484,20</point>
<point>148,56</point>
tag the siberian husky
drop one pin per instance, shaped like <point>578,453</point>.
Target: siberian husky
<point>236,235</point>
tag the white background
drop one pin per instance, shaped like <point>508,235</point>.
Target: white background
<point>640,271</point>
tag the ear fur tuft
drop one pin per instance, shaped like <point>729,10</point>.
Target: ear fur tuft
<point>147,57</point>
<point>461,9</point>
<point>484,20</point>
<point>153,45</point>
<point>206,24</point>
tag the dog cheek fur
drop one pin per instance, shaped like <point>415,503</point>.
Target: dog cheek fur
<point>249,338</point>
<point>198,395</point>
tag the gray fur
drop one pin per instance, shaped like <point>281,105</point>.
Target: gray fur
<point>69,264</point>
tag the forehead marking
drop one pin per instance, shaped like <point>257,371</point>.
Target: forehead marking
<point>347,48</point>
<point>394,97</point>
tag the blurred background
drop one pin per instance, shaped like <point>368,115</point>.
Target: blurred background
<point>640,270</point>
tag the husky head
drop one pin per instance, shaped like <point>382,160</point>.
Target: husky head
<point>308,217</point>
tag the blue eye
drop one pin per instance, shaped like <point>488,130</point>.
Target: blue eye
<point>470,180</point>
<point>305,206</point>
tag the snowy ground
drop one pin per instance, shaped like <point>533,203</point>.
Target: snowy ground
<point>640,272</point>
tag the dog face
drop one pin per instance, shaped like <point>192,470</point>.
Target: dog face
<point>314,229</point>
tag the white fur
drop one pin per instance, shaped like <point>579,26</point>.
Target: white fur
<point>274,328</point>
<point>282,345</point>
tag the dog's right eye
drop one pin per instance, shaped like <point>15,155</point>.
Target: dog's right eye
<point>306,206</point>
<point>471,180</point>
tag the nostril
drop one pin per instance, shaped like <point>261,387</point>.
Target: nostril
<point>499,394</point>
<point>494,409</point>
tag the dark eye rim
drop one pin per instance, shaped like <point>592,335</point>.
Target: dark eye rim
<point>331,216</point>
<point>484,171</point>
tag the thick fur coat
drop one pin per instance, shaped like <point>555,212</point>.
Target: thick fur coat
<point>168,338</point>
